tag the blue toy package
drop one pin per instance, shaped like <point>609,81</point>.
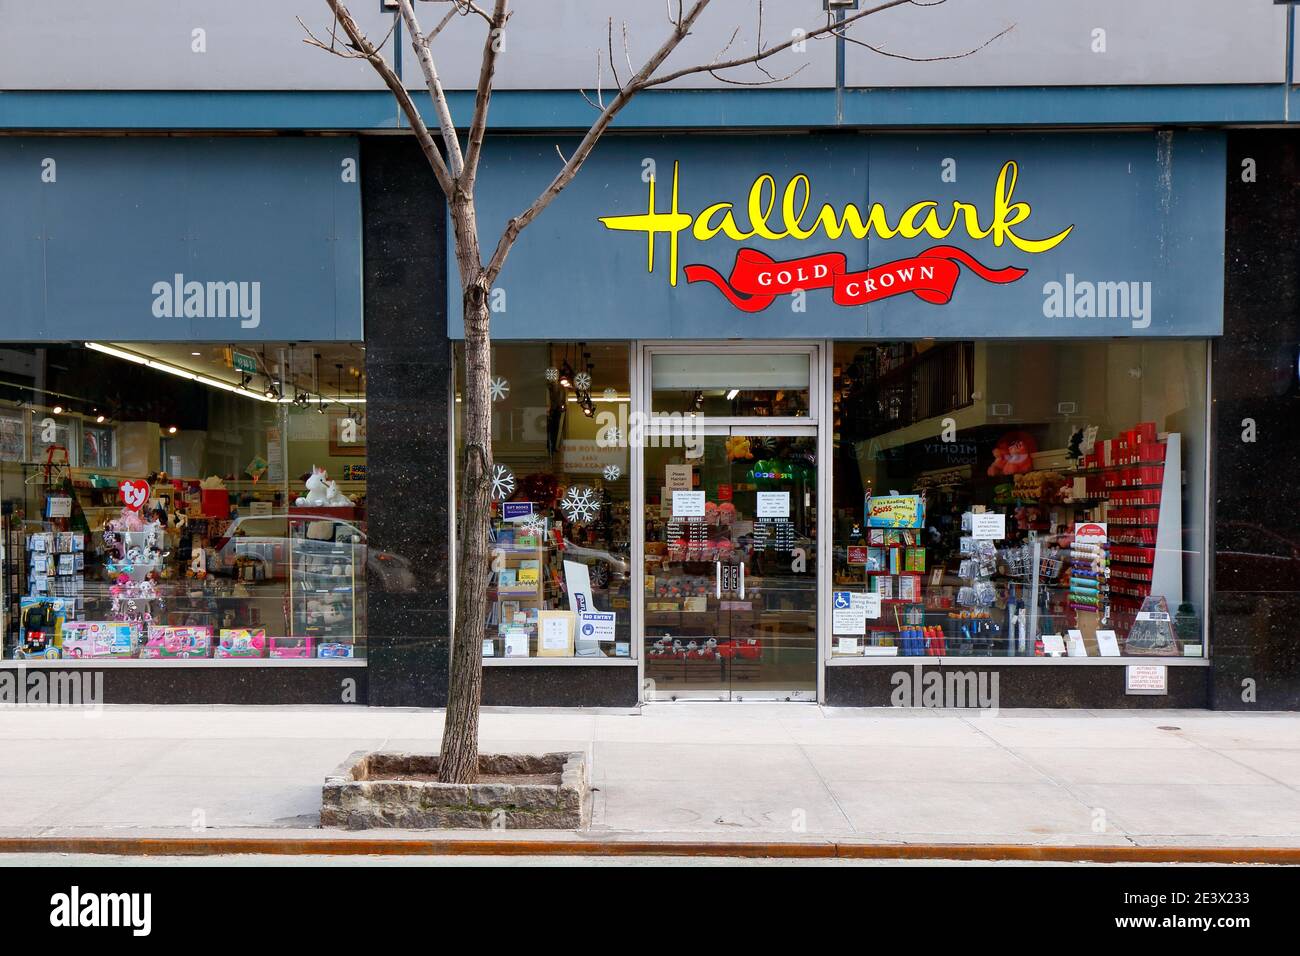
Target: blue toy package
<point>40,627</point>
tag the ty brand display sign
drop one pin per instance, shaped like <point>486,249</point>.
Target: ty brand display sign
<point>1058,235</point>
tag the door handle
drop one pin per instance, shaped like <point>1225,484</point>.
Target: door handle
<point>742,580</point>
<point>717,569</point>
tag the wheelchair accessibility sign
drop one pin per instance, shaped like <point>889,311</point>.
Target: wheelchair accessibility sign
<point>850,611</point>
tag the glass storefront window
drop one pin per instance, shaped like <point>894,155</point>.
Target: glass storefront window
<point>184,501</point>
<point>731,567</point>
<point>1026,499</point>
<point>560,527</point>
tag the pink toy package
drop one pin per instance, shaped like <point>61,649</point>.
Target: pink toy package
<point>100,639</point>
<point>178,642</point>
<point>241,642</point>
<point>292,647</point>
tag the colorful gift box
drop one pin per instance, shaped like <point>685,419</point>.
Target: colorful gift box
<point>241,642</point>
<point>100,639</point>
<point>292,647</point>
<point>178,642</point>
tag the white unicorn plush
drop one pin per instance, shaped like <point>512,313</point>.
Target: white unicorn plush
<point>322,493</point>
<point>317,493</point>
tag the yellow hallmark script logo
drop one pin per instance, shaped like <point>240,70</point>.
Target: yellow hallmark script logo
<point>922,218</point>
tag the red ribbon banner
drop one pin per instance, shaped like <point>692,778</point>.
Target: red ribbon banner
<point>757,279</point>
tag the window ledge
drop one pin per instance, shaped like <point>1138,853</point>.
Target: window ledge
<point>109,663</point>
<point>1016,661</point>
<point>559,662</point>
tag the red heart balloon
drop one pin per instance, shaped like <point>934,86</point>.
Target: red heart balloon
<point>134,493</point>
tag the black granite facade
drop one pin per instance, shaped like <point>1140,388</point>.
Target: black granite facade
<point>1255,641</point>
<point>1057,684</point>
<point>173,682</point>
<point>563,686</point>
<point>408,392</point>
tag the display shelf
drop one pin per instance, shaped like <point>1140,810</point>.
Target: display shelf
<point>323,580</point>
<point>526,598</point>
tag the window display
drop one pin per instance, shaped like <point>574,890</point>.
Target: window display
<point>184,502</point>
<point>1039,500</point>
<point>560,585</point>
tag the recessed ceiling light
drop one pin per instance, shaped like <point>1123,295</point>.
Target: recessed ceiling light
<point>196,353</point>
<point>58,409</point>
<point>171,430</point>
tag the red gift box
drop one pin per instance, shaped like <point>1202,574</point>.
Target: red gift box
<point>215,502</point>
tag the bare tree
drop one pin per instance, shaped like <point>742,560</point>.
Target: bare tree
<point>455,167</point>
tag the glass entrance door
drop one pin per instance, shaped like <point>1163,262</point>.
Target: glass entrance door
<point>730,596</point>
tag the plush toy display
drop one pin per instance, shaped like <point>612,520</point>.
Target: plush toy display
<point>738,448</point>
<point>1013,454</point>
<point>322,493</point>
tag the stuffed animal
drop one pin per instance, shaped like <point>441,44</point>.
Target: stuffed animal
<point>738,448</point>
<point>321,492</point>
<point>1013,454</point>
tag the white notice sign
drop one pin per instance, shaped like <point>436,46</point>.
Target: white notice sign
<point>773,504</point>
<point>1107,644</point>
<point>678,477</point>
<point>596,626</point>
<point>688,504</point>
<point>989,526</point>
<point>850,611</point>
<point>1146,679</point>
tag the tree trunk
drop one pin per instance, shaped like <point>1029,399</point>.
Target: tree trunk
<point>459,759</point>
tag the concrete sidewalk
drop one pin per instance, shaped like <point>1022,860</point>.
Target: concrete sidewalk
<point>688,772</point>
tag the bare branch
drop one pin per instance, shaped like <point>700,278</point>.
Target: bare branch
<point>830,27</point>
<point>446,19</point>
<point>627,56</point>
<point>394,84</point>
<point>436,94</point>
<point>483,95</point>
<point>609,41</point>
<point>570,169</point>
<point>930,59</point>
<point>351,53</point>
<point>770,79</point>
<point>465,7</point>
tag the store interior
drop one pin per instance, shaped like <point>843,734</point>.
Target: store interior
<point>1022,499</point>
<point>184,501</point>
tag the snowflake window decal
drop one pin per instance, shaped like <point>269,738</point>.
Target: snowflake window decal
<point>552,374</point>
<point>535,525</point>
<point>503,483</point>
<point>613,473</point>
<point>499,389</point>
<point>580,504</point>
<point>582,381</point>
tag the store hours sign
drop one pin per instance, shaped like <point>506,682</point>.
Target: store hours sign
<point>1017,236</point>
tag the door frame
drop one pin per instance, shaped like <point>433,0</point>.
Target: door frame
<point>818,422</point>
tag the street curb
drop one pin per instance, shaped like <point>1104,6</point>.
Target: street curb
<point>364,846</point>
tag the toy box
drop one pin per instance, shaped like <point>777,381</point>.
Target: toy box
<point>335,650</point>
<point>241,642</point>
<point>178,642</point>
<point>100,639</point>
<point>292,647</point>
<point>40,630</point>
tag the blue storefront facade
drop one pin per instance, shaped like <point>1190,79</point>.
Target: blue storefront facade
<point>786,391</point>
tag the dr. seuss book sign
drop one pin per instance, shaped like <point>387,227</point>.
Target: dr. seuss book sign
<point>852,236</point>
